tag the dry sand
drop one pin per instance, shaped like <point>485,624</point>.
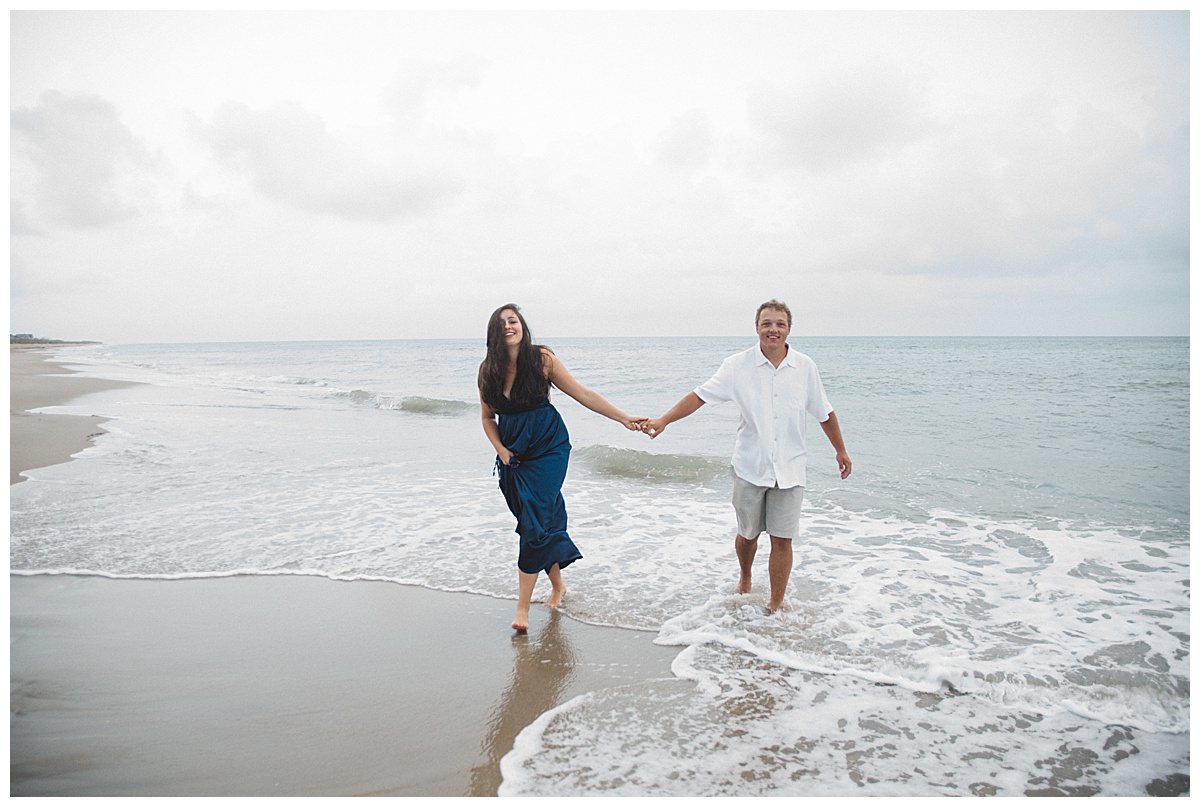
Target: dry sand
<point>37,440</point>
<point>285,685</point>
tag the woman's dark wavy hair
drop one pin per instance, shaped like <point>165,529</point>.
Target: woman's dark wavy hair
<point>531,384</point>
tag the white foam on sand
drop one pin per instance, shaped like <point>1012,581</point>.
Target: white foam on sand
<point>753,728</point>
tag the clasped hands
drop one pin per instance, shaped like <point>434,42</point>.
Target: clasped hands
<point>652,427</point>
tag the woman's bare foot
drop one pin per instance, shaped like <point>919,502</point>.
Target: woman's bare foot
<point>524,595</point>
<point>521,620</point>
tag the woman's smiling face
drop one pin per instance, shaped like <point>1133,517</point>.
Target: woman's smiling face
<point>511,327</point>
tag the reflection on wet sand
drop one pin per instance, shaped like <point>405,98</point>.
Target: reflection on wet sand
<point>542,669</point>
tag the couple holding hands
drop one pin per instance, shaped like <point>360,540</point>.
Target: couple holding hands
<point>773,386</point>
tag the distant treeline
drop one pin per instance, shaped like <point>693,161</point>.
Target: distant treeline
<point>30,339</point>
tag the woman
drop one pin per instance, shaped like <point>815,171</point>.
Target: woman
<point>532,447</point>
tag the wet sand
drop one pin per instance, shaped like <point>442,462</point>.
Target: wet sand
<point>281,685</point>
<point>286,686</point>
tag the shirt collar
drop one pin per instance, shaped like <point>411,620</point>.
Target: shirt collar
<point>761,358</point>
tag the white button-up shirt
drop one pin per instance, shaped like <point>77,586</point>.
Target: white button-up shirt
<point>773,402</point>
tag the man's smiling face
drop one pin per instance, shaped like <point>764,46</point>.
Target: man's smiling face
<point>773,329</point>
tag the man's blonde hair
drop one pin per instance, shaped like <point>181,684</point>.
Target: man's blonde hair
<point>778,306</point>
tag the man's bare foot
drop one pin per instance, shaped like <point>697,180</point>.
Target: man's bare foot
<point>555,598</point>
<point>775,607</point>
<point>743,586</point>
<point>521,620</point>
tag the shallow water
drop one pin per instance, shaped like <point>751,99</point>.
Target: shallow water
<point>996,601</point>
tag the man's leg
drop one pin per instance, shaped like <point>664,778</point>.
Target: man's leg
<point>749,504</point>
<point>745,550</point>
<point>779,566</point>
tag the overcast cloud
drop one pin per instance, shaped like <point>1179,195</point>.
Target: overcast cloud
<point>293,159</point>
<point>82,160</point>
<point>239,176</point>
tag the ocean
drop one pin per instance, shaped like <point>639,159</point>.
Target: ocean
<point>995,602</point>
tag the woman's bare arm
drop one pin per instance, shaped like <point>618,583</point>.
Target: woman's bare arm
<point>492,430</point>
<point>559,376</point>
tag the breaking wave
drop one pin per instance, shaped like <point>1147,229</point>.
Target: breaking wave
<point>415,404</point>
<point>630,464</point>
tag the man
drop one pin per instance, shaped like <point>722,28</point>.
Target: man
<point>774,388</point>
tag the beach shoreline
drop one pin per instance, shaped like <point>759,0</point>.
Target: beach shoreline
<point>256,685</point>
<point>256,585</point>
<point>39,440</point>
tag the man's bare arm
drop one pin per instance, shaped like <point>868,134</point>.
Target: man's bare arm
<point>834,432</point>
<point>686,406</point>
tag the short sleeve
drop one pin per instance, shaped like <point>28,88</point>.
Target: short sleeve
<point>719,388</point>
<point>817,404</point>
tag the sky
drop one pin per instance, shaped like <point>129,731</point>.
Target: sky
<point>290,175</point>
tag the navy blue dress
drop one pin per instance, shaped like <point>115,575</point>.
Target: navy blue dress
<point>532,484</point>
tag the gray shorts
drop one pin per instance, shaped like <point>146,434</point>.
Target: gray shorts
<point>772,509</point>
